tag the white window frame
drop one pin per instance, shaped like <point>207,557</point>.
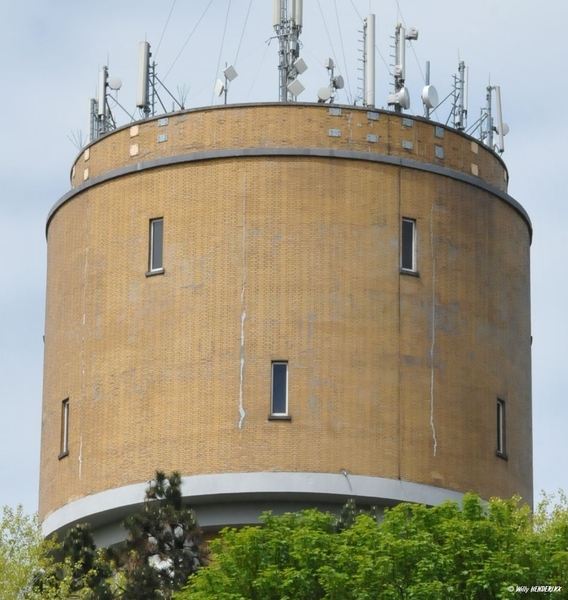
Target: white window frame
<point>152,268</point>
<point>272,412</point>
<point>411,269</point>
<point>64,443</point>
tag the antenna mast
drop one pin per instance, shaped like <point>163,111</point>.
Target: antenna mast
<point>461,83</point>
<point>487,126</point>
<point>401,99</point>
<point>287,22</point>
<point>369,61</point>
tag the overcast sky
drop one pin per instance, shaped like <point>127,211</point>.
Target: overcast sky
<point>51,54</point>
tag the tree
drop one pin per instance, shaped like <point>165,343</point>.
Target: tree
<point>163,546</point>
<point>24,554</point>
<point>476,551</point>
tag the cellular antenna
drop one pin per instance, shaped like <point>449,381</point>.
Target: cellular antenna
<point>461,85</point>
<point>487,124</point>
<point>400,99</point>
<point>146,88</point>
<point>369,61</point>
<point>287,21</point>
<point>144,76</point>
<point>500,125</point>
<point>102,95</point>
<point>101,119</point>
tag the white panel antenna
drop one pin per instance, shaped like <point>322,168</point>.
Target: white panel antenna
<point>230,73</point>
<point>276,13</point>
<point>219,87</point>
<point>298,12</point>
<point>295,88</point>
<point>369,61</point>
<point>500,125</point>
<point>300,66</point>
<point>143,84</point>
<point>101,100</point>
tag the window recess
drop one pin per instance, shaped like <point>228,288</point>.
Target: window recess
<point>64,443</point>
<point>408,246</point>
<point>501,429</point>
<point>156,247</point>
<point>279,391</point>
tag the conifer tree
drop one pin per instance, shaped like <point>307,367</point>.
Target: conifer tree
<point>163,545</point>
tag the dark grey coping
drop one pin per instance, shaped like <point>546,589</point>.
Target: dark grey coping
<point>303,152</point>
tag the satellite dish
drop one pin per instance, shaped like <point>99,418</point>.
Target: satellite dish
<point>219,87</point>
<point>403,98</point>
<point>430,96</point>
<point>295,87</point>
<point>324,94</point>
<point>506,129</point>
<point>115,83</point>
<point>230,73</point>
<point>300,66</point>
<point>338,82</point>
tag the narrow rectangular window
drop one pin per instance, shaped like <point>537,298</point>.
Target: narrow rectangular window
<point>279,400</point>
<point>408,245</point>
<point>156,245</point>
<point>501,428</point>
<point>64,447</point>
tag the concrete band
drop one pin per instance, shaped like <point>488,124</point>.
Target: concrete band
<point>234,493</point>
<point>291,152</point>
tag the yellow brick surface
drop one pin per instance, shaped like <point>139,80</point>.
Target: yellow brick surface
<point>308,248</point>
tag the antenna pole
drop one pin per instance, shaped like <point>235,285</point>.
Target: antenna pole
<point>426,109</point>
<point>93,120</point>
<point>400,59</point>
<point>226,82</point>
<point>461,91</point>
<point>369,61</point>
<point>102,101</point>
<point>287,22</point>
<point>488,135</point>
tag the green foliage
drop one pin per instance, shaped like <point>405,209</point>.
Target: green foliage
<point>475,552</point>
<point>23,552</point>
<point>163,548</point>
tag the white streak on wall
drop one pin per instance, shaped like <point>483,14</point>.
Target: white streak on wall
<point>80,456</point>
<point>83,369</point>
<point>242,413</point>
<point>433,333</point>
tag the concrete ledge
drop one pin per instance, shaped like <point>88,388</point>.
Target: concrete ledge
<point>239,498</point>
<point>302,152</point>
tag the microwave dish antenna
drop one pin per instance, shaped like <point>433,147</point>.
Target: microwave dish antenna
<point>230,74</point>
<point>324,94</point>
<point>115,83</point>
<point>430,97</point>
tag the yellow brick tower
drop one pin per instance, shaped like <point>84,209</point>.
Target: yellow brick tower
<point>291,304</point>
